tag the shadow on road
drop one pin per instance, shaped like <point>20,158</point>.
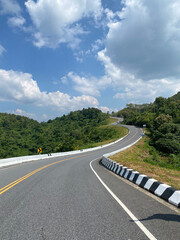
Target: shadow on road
<point>165,217</point>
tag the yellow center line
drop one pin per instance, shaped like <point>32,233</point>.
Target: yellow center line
<point>10,185</point>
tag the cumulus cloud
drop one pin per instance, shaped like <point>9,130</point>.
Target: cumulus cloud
<point>12,9</point>
<point>18,86</point>
<point>9,7</point>
<point>108,110</point>
<point>21,88</point>
<point>145,42</point>
<point>97,45</point>
<point>145,91</point>
<point>21,112</point>
<point>116,74</point>
<point>58,22</point>
<point>16,21</point>
<point>87,85</point>
<point>104,109</point>
<point>142,52</point>
<point>132,89</point>
<point>83,85</point>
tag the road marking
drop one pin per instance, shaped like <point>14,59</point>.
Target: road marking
<point>127,139</point>
<point>10,185</point>
<point>139,224</point>
<point>133,137</point>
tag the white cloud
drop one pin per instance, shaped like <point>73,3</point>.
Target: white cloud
<point>64,80</point>
<point>9,7</point>
<point>104,109</point>
<point>18,86</point>
<point>21,88</point>
<point>145,42</point>
<point>108,110</point>
<point>58,22</point>
<point>116,74</point>
<point>24,113</point>
<point>2,49</point>
<point>110,17</point>
<point>147,91</point>
<point>132,89</point>
<point>97,45</point>
<point>84,85</point>
<point>87,85</point>
<point>142,52</point>
<point>12,9</point>
<point>16,21</point>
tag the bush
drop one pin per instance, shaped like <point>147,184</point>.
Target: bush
<point>174,160</point>
<point>168,145</point>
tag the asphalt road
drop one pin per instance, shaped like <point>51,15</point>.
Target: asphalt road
<point>63,199</point>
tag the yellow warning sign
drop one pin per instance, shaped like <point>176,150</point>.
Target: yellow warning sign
<point>76,147</point>
<point>39,150</point>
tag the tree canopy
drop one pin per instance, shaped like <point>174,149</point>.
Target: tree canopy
<point>22,136</point>
<point>161,117</point>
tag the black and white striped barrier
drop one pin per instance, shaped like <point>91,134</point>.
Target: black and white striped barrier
<point>161,190</point>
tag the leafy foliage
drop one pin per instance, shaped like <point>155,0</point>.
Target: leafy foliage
<point>22,136</point>
<point>163,120</point>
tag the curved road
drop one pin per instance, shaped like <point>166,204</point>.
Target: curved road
<point>65,198</point>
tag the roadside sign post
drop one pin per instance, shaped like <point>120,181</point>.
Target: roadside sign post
<point>39,150</point>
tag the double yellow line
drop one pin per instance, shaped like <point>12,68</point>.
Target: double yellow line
<point>4,189</point>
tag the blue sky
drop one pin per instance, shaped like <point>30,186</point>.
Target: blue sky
<point>58,56</point>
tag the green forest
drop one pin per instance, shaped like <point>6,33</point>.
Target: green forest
<point>21,136</point>
<point>162,119</point>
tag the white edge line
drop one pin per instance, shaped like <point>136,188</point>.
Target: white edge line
<point>122,149</point>
<point>140,225</point>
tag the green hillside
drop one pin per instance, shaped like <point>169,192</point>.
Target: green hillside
<point>21,136</point>
<point>162,118</point>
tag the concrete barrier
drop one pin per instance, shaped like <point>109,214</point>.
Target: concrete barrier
<point>161,190</point>
<point>17,160</point>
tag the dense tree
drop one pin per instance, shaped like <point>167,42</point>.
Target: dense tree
<point>22,136</point>
<point>161,117</point>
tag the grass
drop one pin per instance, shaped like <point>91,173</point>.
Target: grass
<point>145,159</point>
<point>111,120</point>
<point>119,133</point>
